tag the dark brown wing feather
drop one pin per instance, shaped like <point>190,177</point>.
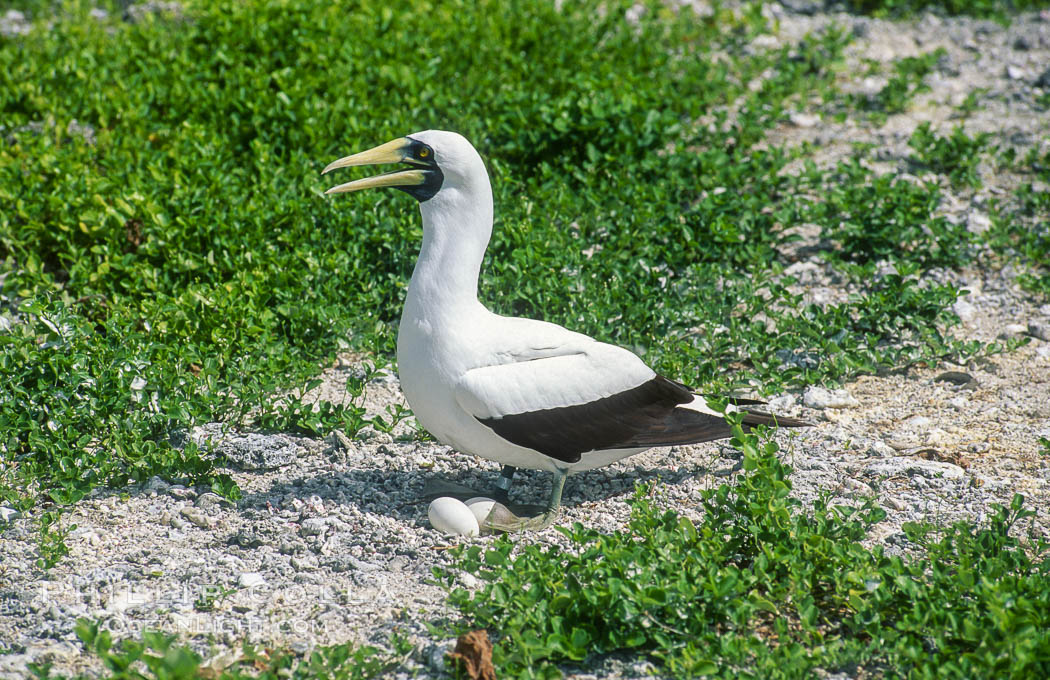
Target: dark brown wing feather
<point>641,417</point>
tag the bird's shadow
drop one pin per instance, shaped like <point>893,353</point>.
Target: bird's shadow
<point>400,493</point>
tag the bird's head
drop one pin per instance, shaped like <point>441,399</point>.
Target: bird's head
<point>431,161</point>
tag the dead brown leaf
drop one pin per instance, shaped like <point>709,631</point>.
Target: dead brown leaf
<point>473,653</point>
<point>132,235</point>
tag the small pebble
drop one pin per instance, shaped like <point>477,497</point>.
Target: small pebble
<point>196,517</point>
<point>245,538</point>
<point>891,502</point>
<point>806,7</point>
<point>14,23</point>
<point>1039,329</point>
<point>854,486</point>
<point>179,491</point>
<point>313,526</point>
<point>1043,81</point>
<point>978,222</point>
<point>210,502</point>
<point>315,504</point>
<point>966,311</point>
<point>436,654</point>
<point>1013,330</point>
<point>291,547</point>
<point>820,397</point>
<point>917,423</point>
<point>881,449</point>
<point>954,377</point>
<point>782,402</point>
<point>804,120</point>
<point>911,467</point>
<point>303,563</point>
<point>250,579</point>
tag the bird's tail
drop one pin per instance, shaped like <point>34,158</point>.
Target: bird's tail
<point>754,417</point>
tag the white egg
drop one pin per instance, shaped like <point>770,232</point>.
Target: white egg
<point>451,516</point>
<point>481,507</point>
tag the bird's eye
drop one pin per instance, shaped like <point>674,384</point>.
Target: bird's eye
<point>424,152</point>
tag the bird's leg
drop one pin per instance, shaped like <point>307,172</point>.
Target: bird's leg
<point>557,486</point>
<point>553,505</point>
<point>502,519</point>
<point>506,478</point>
<point>436,488</point>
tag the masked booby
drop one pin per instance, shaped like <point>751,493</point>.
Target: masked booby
<point>524,393</point>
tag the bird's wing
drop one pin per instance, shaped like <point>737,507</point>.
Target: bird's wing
<point>596,397</point>
<point>564,394</point>
<point>534,378</point>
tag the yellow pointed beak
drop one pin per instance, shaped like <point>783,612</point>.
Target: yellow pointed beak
<point>395,151</point>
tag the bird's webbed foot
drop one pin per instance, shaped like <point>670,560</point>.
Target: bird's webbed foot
<point>527,517</point>
<point>532,518</point>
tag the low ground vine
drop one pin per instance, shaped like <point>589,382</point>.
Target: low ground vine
<point>758,586</point>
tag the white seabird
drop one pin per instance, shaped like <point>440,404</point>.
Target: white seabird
<point>521,392</point>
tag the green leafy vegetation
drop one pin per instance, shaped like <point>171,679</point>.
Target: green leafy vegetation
<point>210,596</point>
<point>758,587</point>
<point>994,9</point>
<point>955,156</point>
<point>874,217</point>
<point>972,102</point>
<point>1022,231</point>
<point>52,544</point>
<point>159,657</point>
<point>908,80</point>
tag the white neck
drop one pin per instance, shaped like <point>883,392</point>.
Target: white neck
<point>457,224</point>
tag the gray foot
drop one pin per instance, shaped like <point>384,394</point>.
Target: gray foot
<point>505,520</point>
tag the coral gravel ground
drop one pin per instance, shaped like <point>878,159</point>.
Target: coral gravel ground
<point>330,543</point>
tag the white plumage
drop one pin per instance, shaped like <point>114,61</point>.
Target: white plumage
<point>522,392</point>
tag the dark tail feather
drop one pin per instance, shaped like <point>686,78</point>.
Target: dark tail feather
<point>753,417</point>
<point>735,401</point>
